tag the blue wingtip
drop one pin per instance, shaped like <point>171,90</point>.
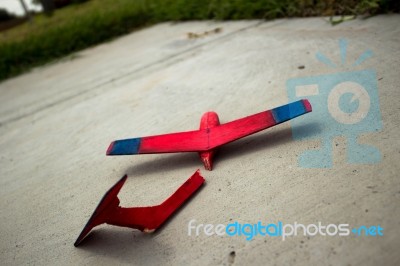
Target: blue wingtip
<point>124,147</point>
<point>291,110</point>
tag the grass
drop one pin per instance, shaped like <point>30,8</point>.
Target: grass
<point>80,26</point>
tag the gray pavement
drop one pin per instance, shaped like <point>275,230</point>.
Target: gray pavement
<point>56,123</point>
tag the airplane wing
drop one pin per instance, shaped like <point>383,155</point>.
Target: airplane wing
<point>203,140</point>
<point>254,123</point>
<point>176,142</point>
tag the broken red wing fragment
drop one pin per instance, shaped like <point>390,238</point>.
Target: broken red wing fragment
<point>146,219</point>
<point>211,134</point>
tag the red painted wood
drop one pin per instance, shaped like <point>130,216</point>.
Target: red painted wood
<point>208,120</point>
<point>211,134</point>
<point>143,218</point>
<point>175,142</point>
<point>240,128</point>
<point>150,218</point>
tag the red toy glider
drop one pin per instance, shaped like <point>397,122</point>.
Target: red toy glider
<point>211,134</point>
<point>145,219</point>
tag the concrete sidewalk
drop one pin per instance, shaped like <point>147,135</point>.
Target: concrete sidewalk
<point>57,121</point>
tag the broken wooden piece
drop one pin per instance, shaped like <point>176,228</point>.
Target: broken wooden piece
<point>146,219</point>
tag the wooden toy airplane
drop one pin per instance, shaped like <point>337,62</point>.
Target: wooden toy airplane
<point>211,134</point>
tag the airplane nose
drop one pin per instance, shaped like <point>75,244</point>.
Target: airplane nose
<point>209,120</point>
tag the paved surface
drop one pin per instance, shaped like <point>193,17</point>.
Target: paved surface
<point>57,121</point>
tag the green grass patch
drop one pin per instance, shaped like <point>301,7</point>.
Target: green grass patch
<point>80,26</point>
